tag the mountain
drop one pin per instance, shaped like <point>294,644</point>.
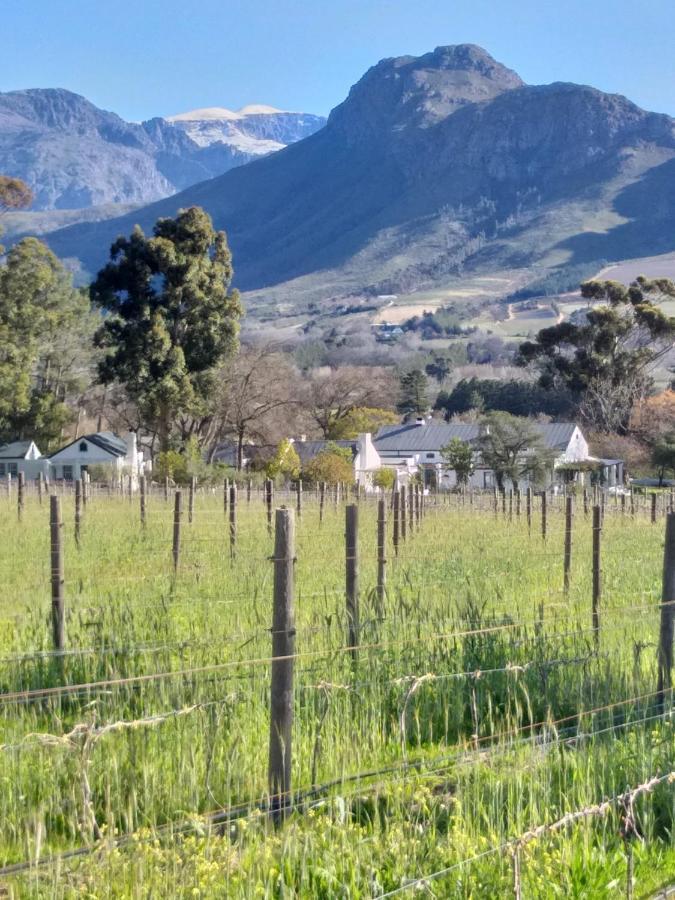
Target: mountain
<point>433,167</point>
<point>75,155</point>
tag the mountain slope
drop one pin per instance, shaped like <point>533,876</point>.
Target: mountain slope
<point>75,155</point>
<point>433,166</point>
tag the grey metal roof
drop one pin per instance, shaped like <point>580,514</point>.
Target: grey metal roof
<point>413,438</point>
<point>308,450</point>
<point>105,440</point>
<point>15,450</point>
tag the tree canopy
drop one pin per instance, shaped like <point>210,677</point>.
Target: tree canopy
<point>458,456</point>
<point>513,448</point>
<point>172,317</point>
<point>414,399</point>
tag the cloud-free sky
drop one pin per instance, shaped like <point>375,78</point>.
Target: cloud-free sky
<point>144,58</point>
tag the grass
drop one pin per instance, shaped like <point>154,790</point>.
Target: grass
<point>479,706</point>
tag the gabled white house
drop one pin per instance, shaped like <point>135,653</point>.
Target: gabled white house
<point>22,456</point>
<point>100,449</point>
<point>417,446</point>
<point>365,456</point>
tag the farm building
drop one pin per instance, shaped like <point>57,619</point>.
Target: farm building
<point>416,446</point>
<point>120,455</point>
<point>22,456</point>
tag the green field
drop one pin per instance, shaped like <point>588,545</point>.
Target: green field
<point>479,706</point>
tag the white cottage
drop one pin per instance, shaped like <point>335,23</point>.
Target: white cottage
<point>101,449</point>
<point>22,456</point>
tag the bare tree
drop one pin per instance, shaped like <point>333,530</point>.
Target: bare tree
<point>334,393</point>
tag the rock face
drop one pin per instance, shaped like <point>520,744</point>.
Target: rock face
<point>431,167</point>
<point>75,155</point>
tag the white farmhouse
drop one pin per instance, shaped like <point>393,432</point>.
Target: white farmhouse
<point>22,456</point>
<point>100,449</point>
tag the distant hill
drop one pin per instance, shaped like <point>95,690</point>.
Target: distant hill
<point>74,155</point>
<point>433,167</point>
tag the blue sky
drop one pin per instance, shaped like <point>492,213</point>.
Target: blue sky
<point>158,57</point>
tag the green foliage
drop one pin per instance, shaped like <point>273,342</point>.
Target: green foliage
<point>333,465</point>
<point>413,398</point>
<point>514,449</point>
<point>520,398</point>
<point>663,455</point>
<point>384,478</point>
<point>285,462</point>
<point>458,456</point>
<point>362,420</point>
<point>604,362</point>
<point>45,334</point>
<point>14,194</point>
<point>172,318</point>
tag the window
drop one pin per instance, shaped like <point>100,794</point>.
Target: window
<point>13,469</point>
<point>67,473</point>
<point>430,455</point>
<point>84,447</point>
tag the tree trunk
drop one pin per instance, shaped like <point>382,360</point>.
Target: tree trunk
<point>240,450</point>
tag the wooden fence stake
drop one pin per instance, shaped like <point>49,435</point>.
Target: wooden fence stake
<point>57,570</point>
<point>543,515</point>
<point>665,654</point>
<point>40,487</point>
<point>567,562</point>
<point>20,496</point>
<point>78,511</point>
<point>177,516</point>
<point>191,499</point>
<point>298,498</point>
<point>397,520</point>
<point>597,573</point>
<point>322,499</point>
<point>233,520</point>
<point>653,508</point>
<point>402,514</point>
<point>249,488</point>
<point>528,509</point>
<point>269,501</point>
<point>381,552</point>
<point>143,484</point>
<point>283,652</point>
<point>352,575</point>
<point>166,489</point>
<point>226,494</point>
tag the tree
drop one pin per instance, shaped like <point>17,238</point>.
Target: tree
<point>439,369</point>
<point>606,360</point>
<point>513,448</point>
<point>333,465</point>
<point>362,420</point>
<point>258,396</point>
<point>333,394</point>
<point>413,398</point>
<point>285,462</point>
<point>384,478</point>
<point>14,194</point>
<point>172,317</point>
<point>45,339</point>
<point>663,455</point>
<point>458,456</point>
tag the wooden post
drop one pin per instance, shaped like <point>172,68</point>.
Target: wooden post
<point>233,520</point>
<point>543,515</point>
<point>177,516</point>
<point>166,489</point>
<point>191,499</point>
<point>226,494</point>
<point>78,511</point>
<point>381,552</point>
<point>322,499</point>
<point>85,488</point>
<point>40,487</point>
<point>144,488</point>
<point>411,509</point>
<point>269,501</point>
<point>585,502</point>
<point>249,489</point>
<point>567,562</point>
<point>402,514</point>
<point>665,653</point>
<point>653,508</point>
<point>298,498</point>
<point>597,576</point>
<point>518,503</point>
<point>352,575</point>
<point>397,520</point>
<point>528,509</point>
<point>418,506</point>
<point>57,571</point>
<point>20,496</point>
<point>283,652</point>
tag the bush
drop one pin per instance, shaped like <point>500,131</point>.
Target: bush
<point>384,478</point>
<point>331,466</point>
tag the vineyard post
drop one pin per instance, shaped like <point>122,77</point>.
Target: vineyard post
<point>418,505</point>
<point>567,563</point>
<point>177,516</point>
<point>166,488</point>
<point>597,576</point>
<point>20,495</point>
<point>143,498</point>
<point>653,508</point>
<point>57,571</point>
<point>9,485</point>
<point>298,498</point>
<point>411,508</point>
<point>510,504</point>
<point>528,509</point>
<point>283,652</point>
<point>269,500</point>
<point>78,511</point>
<point>233,520</point>
<point>226,494</point>
<point>402,513</point>
<point>191,499</point>
<point>665,655</point>
<point>352,574</point>
<point>381,551</point>
<point>85,488</point>
<point>249,487</point>
<point>623,505</point>
<point>543,515</point>
<point>40,487</point>
<point>397,521</point>
<point>585,502</point>
<point>518,505</point>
